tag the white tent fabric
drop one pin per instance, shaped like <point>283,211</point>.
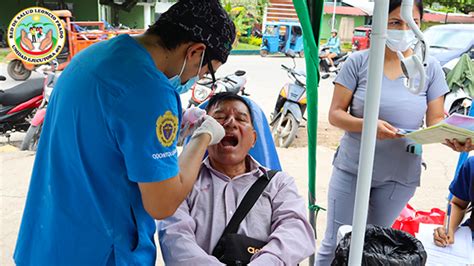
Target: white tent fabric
<point>364,5</point>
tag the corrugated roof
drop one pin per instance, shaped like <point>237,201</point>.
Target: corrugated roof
<point>452,18</point>
<point>344,10</point>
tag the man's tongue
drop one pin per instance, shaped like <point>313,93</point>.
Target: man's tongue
<point>229,141</point>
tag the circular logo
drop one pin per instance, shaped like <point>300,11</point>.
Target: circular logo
<point>167,128</point>
<point>36,35</point>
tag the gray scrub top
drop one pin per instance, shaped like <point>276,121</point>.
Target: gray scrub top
<point>400,108</point>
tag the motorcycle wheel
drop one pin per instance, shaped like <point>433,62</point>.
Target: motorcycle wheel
<point>17,70</point>
<point>263,53</point>
<point>30,142</point>
<point>301,54</point>
<point>284,131</point>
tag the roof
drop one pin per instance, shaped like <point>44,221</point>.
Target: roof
<point>284,22</point>
<point>452,18</point>
<point>344,10</point>
<point>364,5</point>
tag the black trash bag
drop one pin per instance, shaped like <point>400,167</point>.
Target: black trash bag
<point>384,246</point>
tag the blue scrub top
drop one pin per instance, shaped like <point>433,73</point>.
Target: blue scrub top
<point>112,122</point>
<point>463,184</point>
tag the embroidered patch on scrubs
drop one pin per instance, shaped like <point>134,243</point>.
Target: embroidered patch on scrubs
<point>166,128</point>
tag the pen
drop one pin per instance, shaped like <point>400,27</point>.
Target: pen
<point>448,214</point>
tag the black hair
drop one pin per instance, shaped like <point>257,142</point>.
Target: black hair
<point>172,36</point>
<point>228,96</point>
<point>396,3</point>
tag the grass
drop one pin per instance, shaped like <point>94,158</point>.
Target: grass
<point>246,46</point>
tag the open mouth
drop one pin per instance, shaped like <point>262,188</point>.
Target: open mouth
<point>230,141</point>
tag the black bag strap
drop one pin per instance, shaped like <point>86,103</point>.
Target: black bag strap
<point>247,202</point>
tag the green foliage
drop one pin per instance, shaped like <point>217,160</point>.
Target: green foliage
<point>3,54</point>
<point>254,7</point>
<point>244,39</point>
<point>245,13</point>
<point>242,20</point>
<point>464,6</point>
<point>346,46</point>
<point>246,46</point>
<point>255,41</point>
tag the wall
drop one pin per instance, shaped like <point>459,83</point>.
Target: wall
<point>326,27</point>
<point>10,8</point>
<point>83,9</point>
<point>134,18</point>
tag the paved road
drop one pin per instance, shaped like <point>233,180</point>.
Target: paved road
<point>265,78</point>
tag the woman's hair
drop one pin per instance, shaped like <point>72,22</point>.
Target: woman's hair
<point>396,3</point>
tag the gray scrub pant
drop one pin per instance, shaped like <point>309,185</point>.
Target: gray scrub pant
<point>387,200</point>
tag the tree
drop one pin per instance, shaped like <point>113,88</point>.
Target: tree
<point>464,6</point>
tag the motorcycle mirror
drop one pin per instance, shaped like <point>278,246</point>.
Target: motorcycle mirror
<point>291,54</point>
<point>54,65</point>
<point>239,73</point>
<point>3,78</point>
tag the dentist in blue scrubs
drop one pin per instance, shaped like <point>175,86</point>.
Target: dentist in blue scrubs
<point>107,162</point>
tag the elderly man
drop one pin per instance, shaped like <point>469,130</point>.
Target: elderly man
<point>278,217</point>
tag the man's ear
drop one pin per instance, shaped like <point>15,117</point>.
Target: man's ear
<point>254,138</point>
<point>196,48</point>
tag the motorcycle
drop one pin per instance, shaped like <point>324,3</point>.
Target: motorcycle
<point>290,108</point>
<point>325,66</point>
<point>204,89</point>
<point>30,141</point>
<point>18,104</point>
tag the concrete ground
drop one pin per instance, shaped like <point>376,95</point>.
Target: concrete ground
<point>265,78</point>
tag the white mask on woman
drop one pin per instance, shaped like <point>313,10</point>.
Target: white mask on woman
<point>400,40</point>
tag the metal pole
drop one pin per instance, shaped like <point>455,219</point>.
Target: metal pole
<point>147,15</point>
<point>369,131</point>
<point>264,19</point>
<point>312,221</point>
<point>333,23</point>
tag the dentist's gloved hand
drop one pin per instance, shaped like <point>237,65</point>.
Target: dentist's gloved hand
<point>192,119</point>
<point>212,127</point>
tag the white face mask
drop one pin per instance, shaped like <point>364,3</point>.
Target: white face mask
<point>400,40</point>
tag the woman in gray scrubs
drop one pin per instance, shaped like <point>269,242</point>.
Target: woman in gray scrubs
<point>397,165</point>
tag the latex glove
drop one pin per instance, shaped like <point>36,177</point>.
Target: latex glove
<point>212,127</point>
<point>192,119</point>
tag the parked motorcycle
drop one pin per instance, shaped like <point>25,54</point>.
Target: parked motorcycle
<point>324,65</point>
<point>203,89</point>
<point>30,141</point>
<point>290,108</point>
<point>18,105</point>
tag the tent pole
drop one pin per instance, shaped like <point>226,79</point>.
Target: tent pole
<point>369,131</point>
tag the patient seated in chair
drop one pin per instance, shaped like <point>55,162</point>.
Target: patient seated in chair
<point>276,221</point>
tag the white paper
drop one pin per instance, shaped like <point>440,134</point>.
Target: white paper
<point>459,253</point>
